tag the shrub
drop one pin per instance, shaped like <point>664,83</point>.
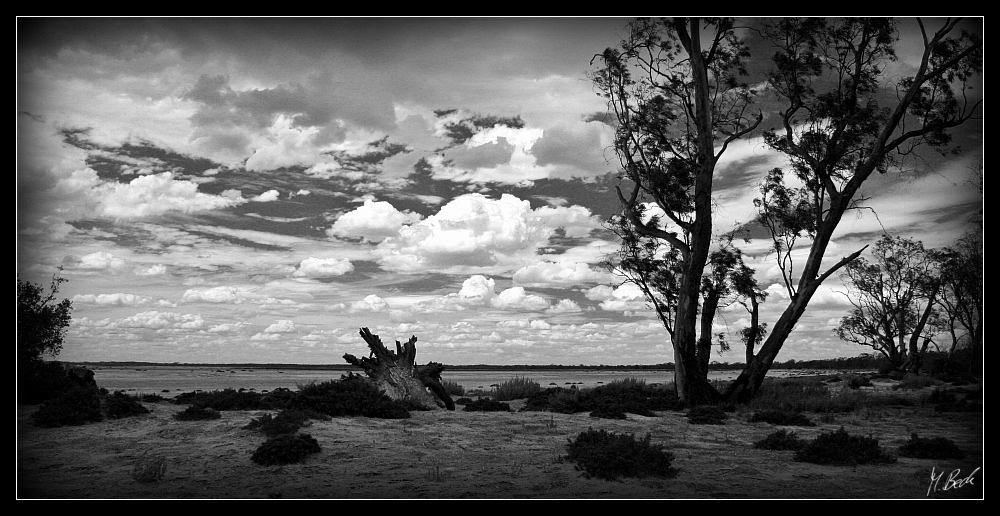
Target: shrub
<point>707,415</point>
<point>608,411</point>
<point>930,448</point>
<point>352,395</point>
<point>516,388</point>
<point>74,407</point>
<point>609,456</point>
<point>627,396</point>
<point>453,388</point>
<point>856,382</point>
<point>150,398</point>
<point>149,469</point>
<point>197,413</point>
<point>226,399</point>
<point>912,381</point>
<point>486,405</point>
<point>118,405</point>
<point>463,401</point>
<point>286,422</point>
<point>42,381</point>
<point>781,417</point>
<point>780,440</point>
<point>842,449</point>
<point>285,449</point>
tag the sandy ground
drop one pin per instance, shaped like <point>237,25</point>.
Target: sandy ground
<point>442,454</point>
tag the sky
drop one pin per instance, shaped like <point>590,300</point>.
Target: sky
<point>255,190</point>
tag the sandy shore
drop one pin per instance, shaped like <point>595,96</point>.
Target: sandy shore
<point>442,454</point>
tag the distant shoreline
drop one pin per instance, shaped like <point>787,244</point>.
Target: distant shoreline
<point>831,365</point>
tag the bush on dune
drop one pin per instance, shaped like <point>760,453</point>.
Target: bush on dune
<point>74,407</point>
<point>842,449</point>
<point>285,449</point>
<point>610,456</point>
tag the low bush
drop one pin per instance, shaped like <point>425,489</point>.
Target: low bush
<point>118,405</point>
<point>628,396</point>
<point>486,405</point>
<point>197,413</point>
<point>609,456</point>
<point>226,399</point>
<point>150,398</point>
<point>453,388</point>
<point>352,395</point>
<point>286,422</point>
<point>42,381</point>
<point>463,401</point>
<point>930,448</point>
<point>781,417</point>
<point>856,382</point>
<point>780,440</point>
<point>707,415</point>
<point>842,449</point>
<point>912,381</point>
<point>608,411</point>
<point>285,449</point>
<point>74,407</point>
<point>518,387</point>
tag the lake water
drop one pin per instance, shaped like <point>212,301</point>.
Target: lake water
<point>177,379</point>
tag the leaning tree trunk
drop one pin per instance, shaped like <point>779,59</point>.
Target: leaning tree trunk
<point>398,376</point>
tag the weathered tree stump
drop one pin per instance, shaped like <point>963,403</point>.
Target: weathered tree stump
<point>397,375</point>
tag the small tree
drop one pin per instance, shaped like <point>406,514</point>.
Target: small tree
<point>893,298</point>
<point>961,297</point>
<point>41,321</point>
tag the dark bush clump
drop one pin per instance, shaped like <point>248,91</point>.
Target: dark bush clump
<point>226,399</point>
<point>856,382</point>
<point>930,448</point>
<point>286,422</point>
<point>42,381</point>
<point>842,449</point>
<point>74,407</point>
<point>608,411</point>
<point>781,417</point>
<point>353,395</point>
<point>707,415</point>
<point>631,397</point>
<point>118,405</point>
<point>150,398</point>
<point>609,456</point>
<point>463,401</point>
<point>285,449</point>
<point>487,405</point>
<point>780,440</point>
<point>197,413</point>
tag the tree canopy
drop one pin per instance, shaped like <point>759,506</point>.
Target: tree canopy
<point>42,321</point>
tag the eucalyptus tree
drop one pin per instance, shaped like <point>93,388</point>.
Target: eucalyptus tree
<point>894,298</point>
<point>675,89</point>
<point>843,117</point>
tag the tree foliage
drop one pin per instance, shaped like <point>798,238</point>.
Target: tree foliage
<point>843,117</point>
<point>42,321</point>
<point>679,99</point>
<point>894,298</point>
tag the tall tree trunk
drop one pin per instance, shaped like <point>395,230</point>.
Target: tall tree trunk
<point>708,307</point>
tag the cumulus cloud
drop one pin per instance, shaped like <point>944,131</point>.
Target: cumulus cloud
<point>372,222</point>
<point>480,291</point>
<point>268,196</point>
<point>552,274</point>
<point>626,297</point>
<point>214,295</point>
<point>565,306</point>
<point>282,326</point>
<point>474,231</point>
<point>162,320</point>
<point>323,267</point>
<point>100,261</point>
<point>144,196</point>
<point>372,303</point>
<point>119,299</point>
<point>154,270</point>
<point>515,298</point>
